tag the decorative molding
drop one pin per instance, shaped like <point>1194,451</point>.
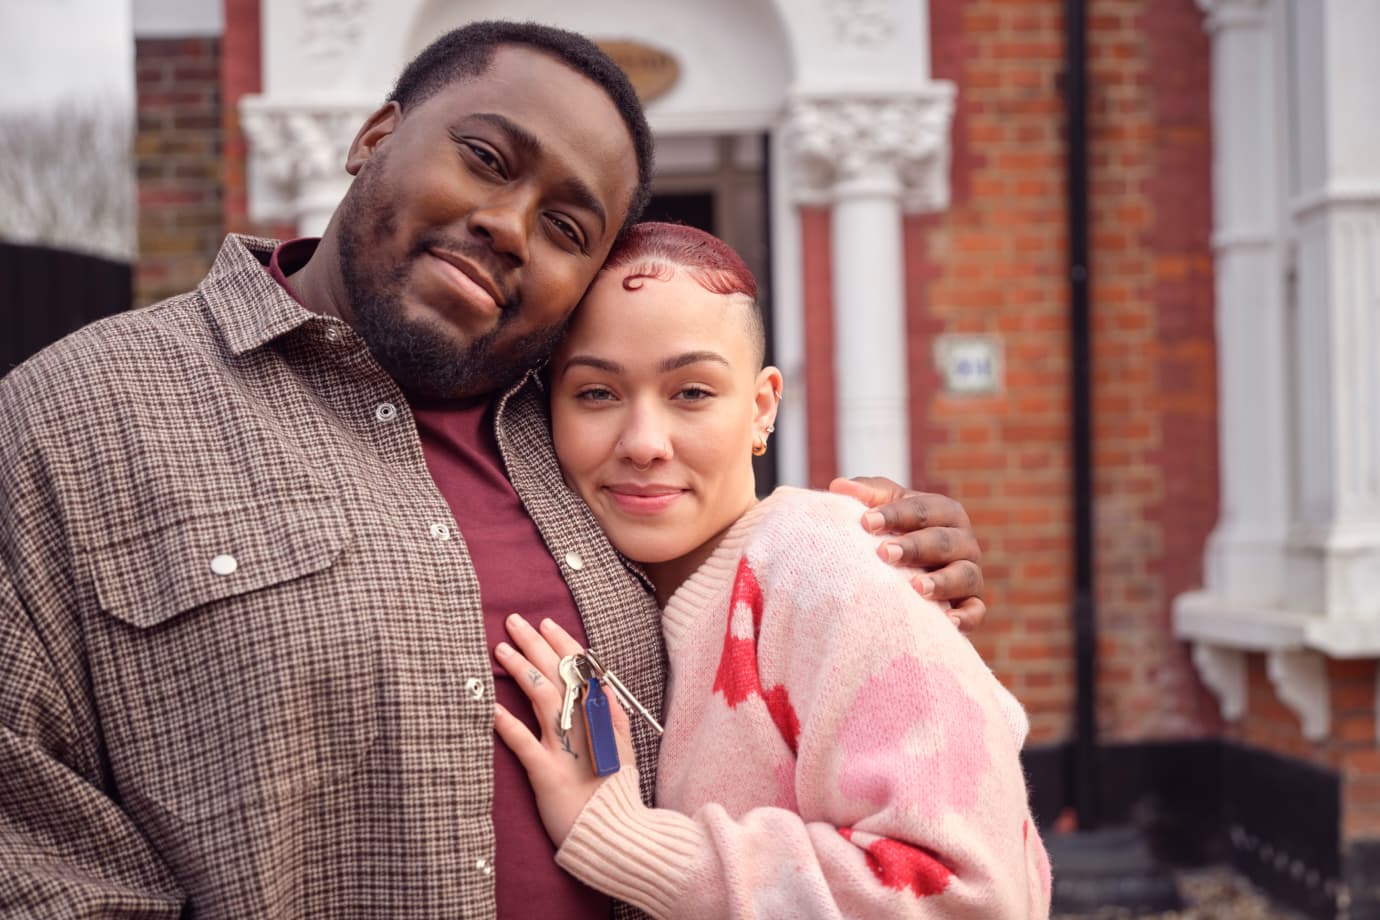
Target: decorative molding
<point>878,143</point>
<point>293,146</point>
<point>1222,14</point>
<point>863,23</point>
<point>1335,196</point>
<point>1244,240</point>
<point>1203,616</point>
<point>1300,679</point>
<point>1224,672</point>
<point>330,28</point>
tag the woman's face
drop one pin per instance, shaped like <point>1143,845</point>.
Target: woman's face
<point>656,400</point>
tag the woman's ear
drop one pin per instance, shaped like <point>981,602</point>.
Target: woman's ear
<point>766,399</point>
<point>372,133</point>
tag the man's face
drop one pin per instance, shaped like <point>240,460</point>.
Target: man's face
<point>477,219</point>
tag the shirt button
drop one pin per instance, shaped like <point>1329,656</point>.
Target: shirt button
<point>484,865</point>
<point>476,687</point>
<point>385,412</point>
<point>224,564</point>
<point>440,532</point>
<point>573,560</point>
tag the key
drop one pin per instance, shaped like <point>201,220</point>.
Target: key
<point>574,682</point>
<point>603,745</point>
<point>623,692</point>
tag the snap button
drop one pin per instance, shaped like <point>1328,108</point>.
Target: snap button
<point>573,560</point>
<point>332,334</point>
<point>224,564</point>
<point>476,687</point>
<point>484,866</point>
<point>386,412</point>
<point>440,532</point>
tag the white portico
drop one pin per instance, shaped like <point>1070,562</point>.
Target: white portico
<point>840,90</point>
<point>1293,569</point>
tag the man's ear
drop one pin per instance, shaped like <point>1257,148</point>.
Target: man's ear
<point>375,129</point>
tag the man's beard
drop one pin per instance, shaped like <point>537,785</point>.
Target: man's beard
<point>419,355</point>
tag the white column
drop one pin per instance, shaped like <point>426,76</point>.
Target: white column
<point>873,427</point>
<point>1241,606</point>
<point>871,157</point>
<point>1335,564</point>
<point>1246,551</point>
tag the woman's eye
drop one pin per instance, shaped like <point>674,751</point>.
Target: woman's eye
<point>594,394</point>
<point>694,394</point>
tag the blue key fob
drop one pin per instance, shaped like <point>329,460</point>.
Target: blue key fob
<point>603,746</point>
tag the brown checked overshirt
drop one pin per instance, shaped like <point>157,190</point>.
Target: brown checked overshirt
<point>243,669</point>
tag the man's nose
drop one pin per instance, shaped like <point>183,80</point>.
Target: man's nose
<point>506,220</point>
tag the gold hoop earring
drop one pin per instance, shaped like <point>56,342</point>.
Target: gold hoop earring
<point>759,446</point>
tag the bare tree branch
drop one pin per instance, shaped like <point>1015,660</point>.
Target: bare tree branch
<point>67,179</point>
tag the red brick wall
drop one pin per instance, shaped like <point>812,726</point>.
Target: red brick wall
<point>242,75</point>
<point>994,263</point>
<point>819,344</point>
<point>177,154</point>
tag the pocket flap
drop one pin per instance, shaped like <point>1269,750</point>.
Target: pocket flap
<point>147,579</point>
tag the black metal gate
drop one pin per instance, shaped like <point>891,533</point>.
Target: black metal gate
<point>47,293</point>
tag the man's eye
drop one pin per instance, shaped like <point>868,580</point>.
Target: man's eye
<point>567,229</point>
<point>485,155</point>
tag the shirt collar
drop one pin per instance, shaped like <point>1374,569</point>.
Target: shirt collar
<point>246,304</point>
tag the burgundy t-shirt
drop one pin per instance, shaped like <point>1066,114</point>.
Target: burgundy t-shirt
<point>516,574</point>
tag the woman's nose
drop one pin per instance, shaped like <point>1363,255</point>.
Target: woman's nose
<point>645,440</point>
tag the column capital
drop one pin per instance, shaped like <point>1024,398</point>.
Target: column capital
<point>890,144</point>
<point>294,147</point>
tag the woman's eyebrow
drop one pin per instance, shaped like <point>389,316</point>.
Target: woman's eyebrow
<point>673,363</point>
<point>599,364</point>
<point>692,357</point>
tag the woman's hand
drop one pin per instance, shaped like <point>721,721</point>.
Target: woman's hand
<point>932,534</point>
<point>558,765</point>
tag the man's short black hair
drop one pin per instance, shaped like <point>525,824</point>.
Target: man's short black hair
<point>469,50</point>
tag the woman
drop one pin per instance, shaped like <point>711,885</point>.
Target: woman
<point>833,745</point>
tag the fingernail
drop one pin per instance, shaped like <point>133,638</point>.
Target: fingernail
<point>503,649</point>
<point>926,587</point>
<point>891,552</point>
<point>514,618</point>
<point>874,521</point>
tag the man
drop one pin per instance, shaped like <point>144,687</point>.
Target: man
<point>244,532</point>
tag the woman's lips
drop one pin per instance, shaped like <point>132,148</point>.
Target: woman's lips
<point>644,499</point>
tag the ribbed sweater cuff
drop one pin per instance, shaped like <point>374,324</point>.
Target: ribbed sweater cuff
<point>644,856</point>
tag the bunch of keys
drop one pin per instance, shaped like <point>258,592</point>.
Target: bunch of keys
<point>584,678</point>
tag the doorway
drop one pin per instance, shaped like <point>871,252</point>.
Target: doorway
<point>721,185</point>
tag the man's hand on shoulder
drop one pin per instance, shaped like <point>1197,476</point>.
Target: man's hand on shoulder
<point>932,533</point>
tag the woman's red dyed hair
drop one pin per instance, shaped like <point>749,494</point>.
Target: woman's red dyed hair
<point>656,250</point>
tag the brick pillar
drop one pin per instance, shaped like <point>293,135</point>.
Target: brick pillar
<point>177,155</point>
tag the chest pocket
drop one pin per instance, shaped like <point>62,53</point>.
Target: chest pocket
<point>229,667</point>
